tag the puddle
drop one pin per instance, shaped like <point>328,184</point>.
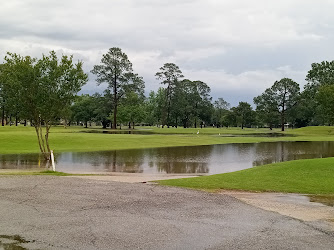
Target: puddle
<point>327,200</point>
<point>209,159</point>
<point>12,242</point>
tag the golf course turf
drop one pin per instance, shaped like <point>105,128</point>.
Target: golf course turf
<point>303,176</point>
<point>312,176</point>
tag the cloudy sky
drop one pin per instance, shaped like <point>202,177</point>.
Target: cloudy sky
<point>238,47</point>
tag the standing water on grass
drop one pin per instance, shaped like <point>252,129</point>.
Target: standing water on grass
<point>212,159</point>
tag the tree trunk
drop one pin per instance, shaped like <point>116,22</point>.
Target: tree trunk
<point>133,125</point>
<point>129,125</point>
<point>38,138</point>
<point>3,115</point>
<point>86,124</point>
<point>283,114</point>
<point>195,122</point>
<point>115,103</point>
<point>25,123</point>
<point>168,105</point>
<point>47,139</point>
<point>16,121</point>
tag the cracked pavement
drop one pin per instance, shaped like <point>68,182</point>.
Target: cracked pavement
<point>74,213</point>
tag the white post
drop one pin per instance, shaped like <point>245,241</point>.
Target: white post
<point>53,161</point>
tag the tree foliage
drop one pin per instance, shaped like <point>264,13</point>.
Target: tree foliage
<point>169,74</point>
<point>325,99</point>
<point>221,108</point>
<point>44,88</point>
<point>280,98</point>
<point>244,114</point>
<point>116,70</point>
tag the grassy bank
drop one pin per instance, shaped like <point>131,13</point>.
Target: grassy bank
<point>23,139</point>
<point>302,176</point>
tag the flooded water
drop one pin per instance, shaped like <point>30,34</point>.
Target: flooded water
<point>12,242</point>
<point>212,159</point>
<point>327,200</point>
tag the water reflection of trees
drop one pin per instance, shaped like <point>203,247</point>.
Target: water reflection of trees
<point>129,161</point>
<point>167,160</point>
<point>181,159</point>
<point>23,161</point>
<point>197,159</point>
<point>272,152</point>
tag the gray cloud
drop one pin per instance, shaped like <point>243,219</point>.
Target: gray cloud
<point>238,47</point>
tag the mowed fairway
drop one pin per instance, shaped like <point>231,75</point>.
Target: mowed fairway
<point>21,139</point>
<point>313,176</point>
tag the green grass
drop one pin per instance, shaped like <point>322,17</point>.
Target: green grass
<point>315,176</point>
<point>207,130</point>
<point>23,139</point>
<point>304,176</point>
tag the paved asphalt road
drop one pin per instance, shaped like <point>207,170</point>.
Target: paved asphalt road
<point>72,213</point>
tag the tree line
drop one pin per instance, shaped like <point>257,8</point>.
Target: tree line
<point>183,102</point>
<point>44,92</point>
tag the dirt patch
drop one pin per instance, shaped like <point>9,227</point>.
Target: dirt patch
<point>134,177</point>
<point>294,205</point>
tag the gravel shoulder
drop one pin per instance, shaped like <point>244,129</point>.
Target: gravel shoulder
<point>48,212</point>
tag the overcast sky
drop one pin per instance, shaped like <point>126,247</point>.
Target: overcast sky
<point>238,47</point>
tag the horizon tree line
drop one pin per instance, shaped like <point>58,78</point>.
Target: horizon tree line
<point>51,86</point>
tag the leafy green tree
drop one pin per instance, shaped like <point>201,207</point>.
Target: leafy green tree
<point>102,108</point>
<point>305,112</point>
<point>2,94</point>
<point>267,109</point>
<point>191,102</point>
<point>151,109</point>
<point>325,99</point>
<point>282,97</point>
<point>220,108</point>
<point>169,75</point>
<point>46,88</point>
<point>83,109</point>
<point>132,108</point>
<point>182,108</point>
<point>230,118</point>
<point>201,100</point>
<point>319,75</point>
<point>116,70</point>
<point>244,114</point>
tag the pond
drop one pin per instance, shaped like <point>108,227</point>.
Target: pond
<point>211,159</point>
